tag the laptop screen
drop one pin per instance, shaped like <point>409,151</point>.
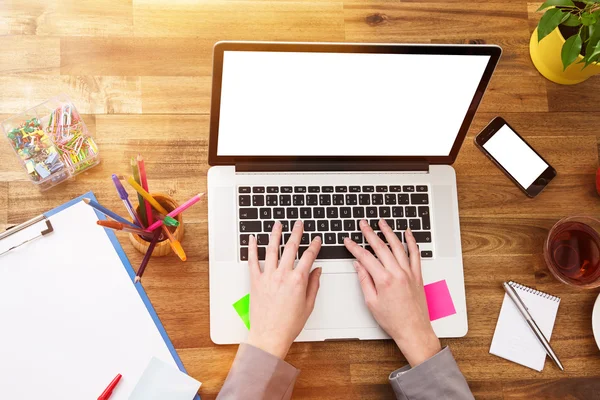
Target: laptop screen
<point>344,104</point>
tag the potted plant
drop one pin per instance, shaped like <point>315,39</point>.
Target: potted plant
<point>565,47</point>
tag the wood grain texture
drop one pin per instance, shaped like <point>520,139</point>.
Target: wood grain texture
<point>140,73</point>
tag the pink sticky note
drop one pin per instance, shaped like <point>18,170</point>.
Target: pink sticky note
<point>439,302</point>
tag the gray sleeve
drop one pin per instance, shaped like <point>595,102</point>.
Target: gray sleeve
<point>256,374</point>
<point>437,378</point>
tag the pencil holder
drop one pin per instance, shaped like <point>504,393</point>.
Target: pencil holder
<point>163,247</point>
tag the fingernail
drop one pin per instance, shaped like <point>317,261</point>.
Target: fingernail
<point>382,222</point>
<point>320,271</point>
<point>317,239</point>
<point>355,264</point>
<point>252,239</point>
<point>277,224</point>
<point>363,222</point>
<point>298,223</point>
<point>409,231</point>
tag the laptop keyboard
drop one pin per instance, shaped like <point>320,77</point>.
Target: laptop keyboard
<point>332,212</point>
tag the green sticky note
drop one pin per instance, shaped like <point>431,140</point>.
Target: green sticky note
<point>242,307</point>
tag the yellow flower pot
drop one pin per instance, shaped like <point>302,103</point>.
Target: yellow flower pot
<point>546,58</point>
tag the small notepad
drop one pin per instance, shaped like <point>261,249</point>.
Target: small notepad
<point>513,339</point>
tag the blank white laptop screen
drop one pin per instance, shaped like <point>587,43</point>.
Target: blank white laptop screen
<point>344,104</point>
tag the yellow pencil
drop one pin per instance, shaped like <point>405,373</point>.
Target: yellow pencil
<point>174,243</point>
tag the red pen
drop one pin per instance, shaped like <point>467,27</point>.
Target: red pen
<point>108,391</point>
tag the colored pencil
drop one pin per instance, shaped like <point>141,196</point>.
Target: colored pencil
<point>177,211</point>
<point>140,271</point>
<point>144,184</point>
<point>122,227</point>
<point>108,213</point>
<point>142,208</point>
<point>147,197</point>
<point>125,198</point>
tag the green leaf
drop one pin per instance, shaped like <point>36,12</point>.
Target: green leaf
<point>570,50</point>
<point>588,19</point>
<point>593,55</point>
<point>554,3</point>
<point>572,20</point>
<point>550,20</point>
<point>593,41</point>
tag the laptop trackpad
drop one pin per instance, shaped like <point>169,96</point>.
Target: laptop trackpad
<point>340,304</point>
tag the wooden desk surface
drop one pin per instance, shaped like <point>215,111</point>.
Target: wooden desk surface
<point>140,72</point>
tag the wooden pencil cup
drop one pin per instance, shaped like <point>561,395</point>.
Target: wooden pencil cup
<point>163,247</point>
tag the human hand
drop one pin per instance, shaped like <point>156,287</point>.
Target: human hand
<point>281,297</point>
<point>393,288</point>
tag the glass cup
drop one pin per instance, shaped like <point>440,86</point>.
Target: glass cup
<point>572,252</point>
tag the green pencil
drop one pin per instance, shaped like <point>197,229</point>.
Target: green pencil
<point>136,177</point>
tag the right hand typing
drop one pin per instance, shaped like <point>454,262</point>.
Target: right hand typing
<point>393,288</point>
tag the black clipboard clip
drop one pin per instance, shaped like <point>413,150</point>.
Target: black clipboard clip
<point>12,230</point>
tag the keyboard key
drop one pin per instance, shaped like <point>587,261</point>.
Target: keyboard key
<point>341,189</point>
<point>265,213</point>
<point>334,252</point>
<point>258,200</point>
<point>285,238</point>
<point>244,189</point>
<point>258,189</point>
<point>314,189</point>
<point>410,211</point>
<point>305,213</point>
<point>291,213</point>
<point>305,239</point>
<point>368,189</point>
<point>244,254</point>
<point>298,200</point>
<point>371,212</point>
<point>390,199</point>
<point>310,225</point>
<point>324,199</point>
<point>364,199</point>
<point>262,239</point>
<point>420,198</point>
<point>384,212</point>
<point>423,211</point>
<point>336,225</point>
<point>408,189</point>
<point>399,235</point>
<point>425,217</point>
<point>342,236</point>
<point>312,200</point>
<point>415,224</point>
<point>323,225</point>
<point>422,188</point>
<point>330,238</point>
<point>426,253</point>
<point>244,201</point>
<point>390,222</point>
<point>380,189</point>
<point>370,249</point>
<point>279,213</point>
<point>268,226</point>
<point>285,200</point>
<point>314,235</point>
<point>250,226</point>
<point>357,237</point>
<point>345,212</point>
<point>319,212</point>
<point>358,212</point>
<point>395,188</point>
<point>354,189</point>
<point>332,212</point>
<point>403,199</point>
<point>338,199</point>
<point>327,189</point>
<point>271,200</point>
<point>422,237</point>
<point>351,199</point>
<point>262,253</point>
<point>397,212</point>
<point>299,189</point>
<point>272,189</point>
<point>248,213</point>
<point>244,240</point>
<point>285,226</point>
<point>377,199</point>
<point>374,224</point>
<point>349,225</point>
<point>401,224</point>
<point>382,237</point>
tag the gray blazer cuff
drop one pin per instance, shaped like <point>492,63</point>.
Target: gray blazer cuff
<point>437,378</point>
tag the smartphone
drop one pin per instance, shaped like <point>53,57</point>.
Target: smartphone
<point>515,157</point>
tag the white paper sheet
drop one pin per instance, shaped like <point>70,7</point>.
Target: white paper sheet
<point>162,381</point>
<point>70,316</point>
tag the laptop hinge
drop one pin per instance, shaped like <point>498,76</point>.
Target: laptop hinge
<point>332,166</point>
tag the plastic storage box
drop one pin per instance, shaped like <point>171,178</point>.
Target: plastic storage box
<point>52,142</point>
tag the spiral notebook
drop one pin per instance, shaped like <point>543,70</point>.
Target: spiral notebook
<point>513,339</point>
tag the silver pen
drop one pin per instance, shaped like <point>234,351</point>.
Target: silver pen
<point>514,296</point>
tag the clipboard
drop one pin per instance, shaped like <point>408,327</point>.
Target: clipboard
<point>119,250</point>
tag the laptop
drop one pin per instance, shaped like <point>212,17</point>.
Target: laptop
<point>332,133</point>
